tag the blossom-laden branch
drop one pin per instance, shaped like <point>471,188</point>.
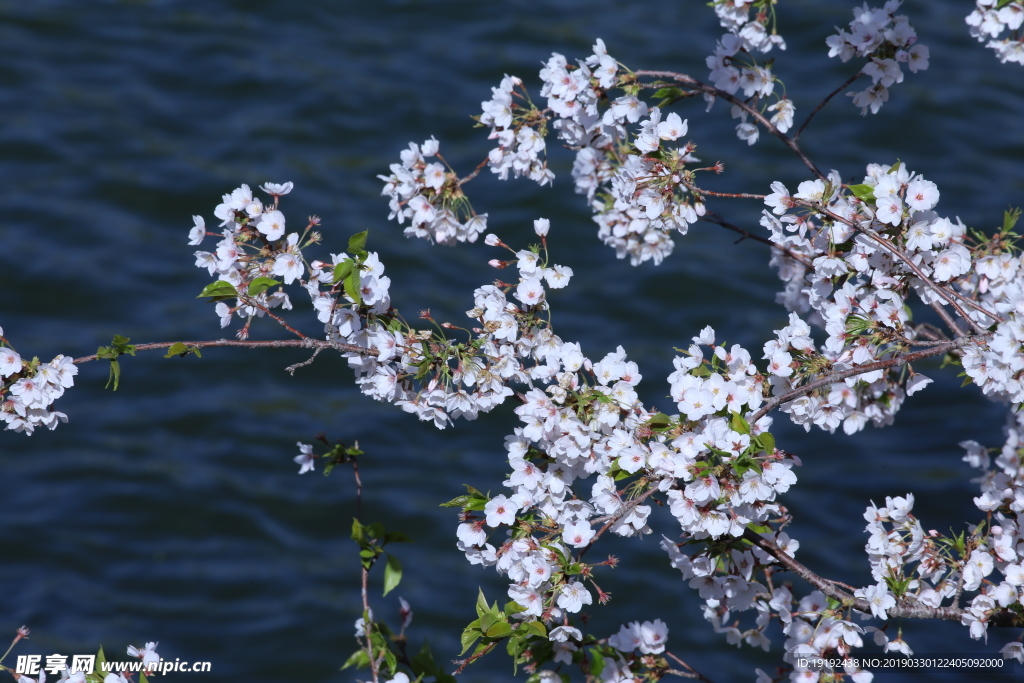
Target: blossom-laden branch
<point>910,609</point>
<point>702,87</point>
<point>903,359</point>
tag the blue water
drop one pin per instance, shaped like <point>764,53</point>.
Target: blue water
<point>171,511</point>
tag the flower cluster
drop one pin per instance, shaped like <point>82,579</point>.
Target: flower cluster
<point>752,33</point>
<point>1000,547</point>
<point>876,245</point>
<point>29,388</point>
<point>431,198</point>
<point>887,40</point>
<point>990,19</point>
<point>253,247</point>
<point>733,66</point>
<point>519,130</point>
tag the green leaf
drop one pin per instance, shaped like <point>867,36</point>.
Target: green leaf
<point>668,92</point>
<point>396,537</point>
<point>865,193</point>
<point>357,531</point>
<point>376,530</point>
<point>1010,218</point>
<point>218,290</point>
<point>596,662</point>
<point>392,574</point>
<point>499,629</point>
<point>738,424</point>
<point>423,662</point>
<point>143,678</point>
<point>391,661</point>
<point>457,502</point>
<point>261,284</point>
<point>115,375</point>
<point>481,603</point>
<point>470,636</point>
<point>177,349</point>
<point>536,628</point>
<point>767,442</point>
<point>353,286</point>
<point>342,270</point>
<point>357,242</point>
<point>659,420</point>
<point>513,607</point>
<point>359,659</point>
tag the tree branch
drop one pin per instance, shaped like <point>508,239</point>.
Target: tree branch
<point>712,217</point>
<point>825,101</point>
<point>307,343</point>
<point>754,113</point>
<point>908,610</point>
<point>937,350</point>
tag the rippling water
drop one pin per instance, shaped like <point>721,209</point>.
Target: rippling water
<point>171,511</point>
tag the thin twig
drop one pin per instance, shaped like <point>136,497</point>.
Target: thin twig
<point>474,172</point>
<point>307,343</point>
<point>712,217</point>
<point>463,663</point>
<point>693,673</point>
<point>825,101</point>
<point>249,301</point>
<point>947,318</point>
<point>309,361</point>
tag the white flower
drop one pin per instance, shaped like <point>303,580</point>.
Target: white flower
<point>148,654</point>
<point>304,458</point>
<point>272,225</point>
<point>500,510</point>
<point>198,231</point>
<point>276,189</point>
<point>10,362</point>
<point>578,534</point>
<point>573,596</point>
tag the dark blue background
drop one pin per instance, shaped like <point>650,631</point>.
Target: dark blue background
<point>171,510</point>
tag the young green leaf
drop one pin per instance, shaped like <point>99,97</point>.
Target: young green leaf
<point>392,574</point>
<point>218,290</point>
<point>261,284</point>
<point>357,242</point>
<point>342,270</point>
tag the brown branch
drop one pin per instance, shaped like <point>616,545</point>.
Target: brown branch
<point>619,514</point>
<point>946,293</point>
<point>307,343</point>
<point>692,673</point>
<point>475,172</point>
<point>947,318</point>
<point>249,301</point>
<point>937,350</point>
<point>825,101</point>
<point>463,663</point>
<point>907,610</point>
<point>712,217</point>
<point>758,116</point>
